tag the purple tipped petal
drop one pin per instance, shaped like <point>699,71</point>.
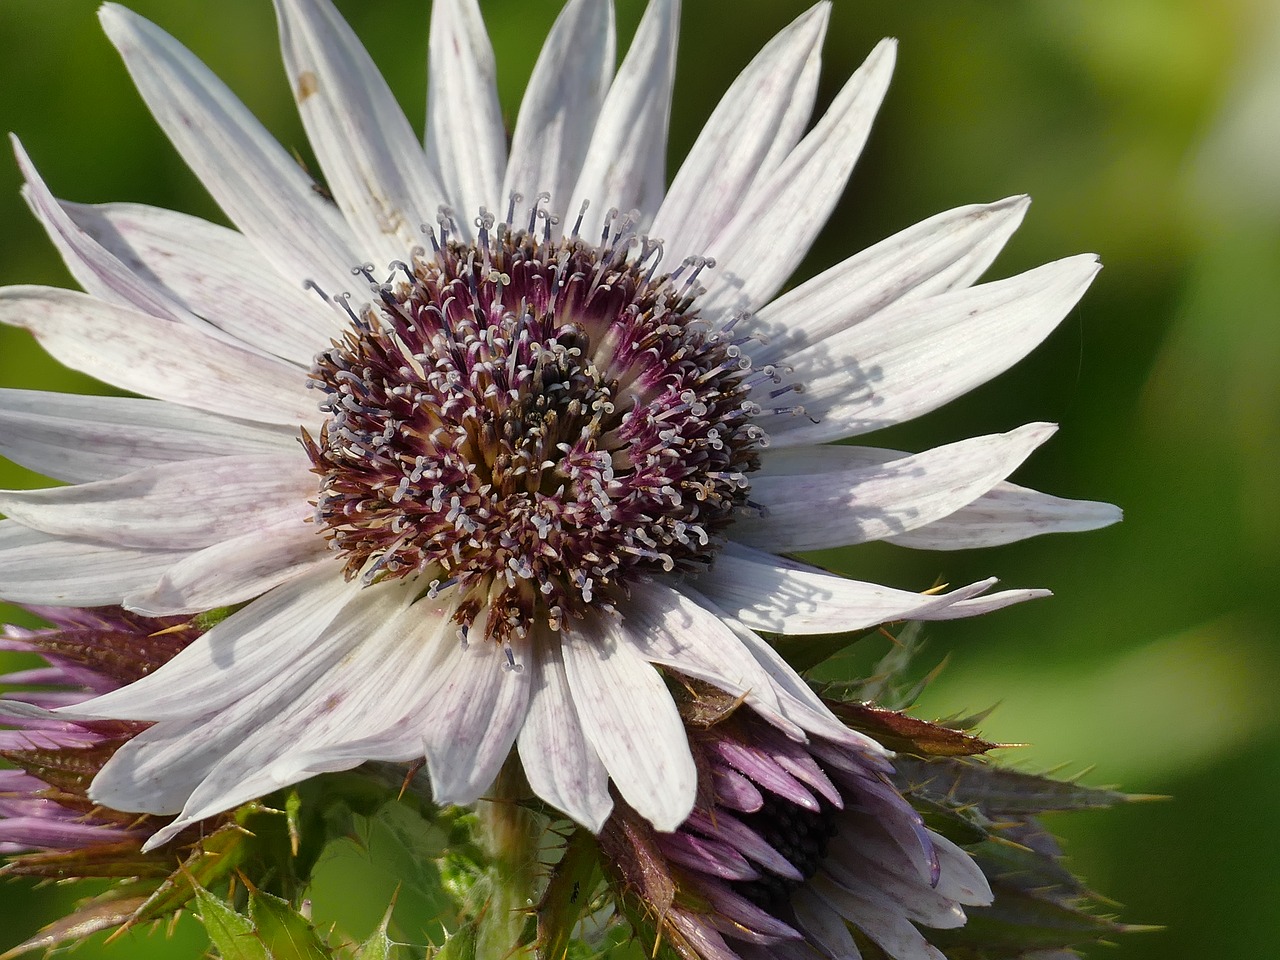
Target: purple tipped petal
<point>765,771</point>
<point>708,856</point>
<point>751,844</point>
<point>735,791</point>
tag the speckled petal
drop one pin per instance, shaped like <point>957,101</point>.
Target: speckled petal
<point>625,167</point>
<point>630,719</point>
<point>83,438</point>
<point>561,105</point>
<point>369,153</point>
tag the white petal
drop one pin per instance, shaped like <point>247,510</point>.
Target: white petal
<point>560,764</point>
<point>795,121</point>
<point>781,597</point>
<point>463,708</point>
<point>280,731</point>
<point>426,629</point>
<point>261,188</point>
<point>216,273</point>
<point>78,438</point>
<point>18,710</point>
<point>991,602</point>
<point>916,901</point>
<point>960,879</point>
<point>561,104</point>
<point>1004,514</point>
<point>774,226</point>
<point>916,356</point>
<point>273,637</point>
<point>946,252</point>
<point>466,141</point>
<point>738,139</point>
<point>156,771</point>
<point>159,358</point>
<point>477,704</point>
<point>626,163</point>
<point>798,701</point>
<point>234,571</point>
<point>631,720</point>
<point>185,505</point>
<point>892,931</point>
<point>40,569</point>
<point>96,269</point>
<point>672,630</point>
<point>336,690</point>
<point>811,512</point>
<point>369,154</point>
<point>824,925</point>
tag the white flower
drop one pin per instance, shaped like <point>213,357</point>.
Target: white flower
<point>540,444</point>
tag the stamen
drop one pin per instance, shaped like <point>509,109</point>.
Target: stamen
<point>582,212</point>
<point>533,422</point>
<point>344,301</point>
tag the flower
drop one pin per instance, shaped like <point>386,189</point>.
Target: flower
<point>788,844</point>
<point>48,825</point>
<point>553,450</point>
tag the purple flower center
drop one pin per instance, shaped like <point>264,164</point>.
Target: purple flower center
<point>532,422</point>
<point>800,835</point>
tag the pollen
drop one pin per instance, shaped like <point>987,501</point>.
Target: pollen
<point>532,422</point>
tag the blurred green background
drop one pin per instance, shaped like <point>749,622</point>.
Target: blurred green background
<point>1147,131</point>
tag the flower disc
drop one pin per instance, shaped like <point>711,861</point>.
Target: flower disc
<point>533,421</point>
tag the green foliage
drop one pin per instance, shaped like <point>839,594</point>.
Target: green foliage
<point>378,946</point>
<point>1039,904</point>
<point>286,933</point>
<point>568,893</point>
<point>233,935</point>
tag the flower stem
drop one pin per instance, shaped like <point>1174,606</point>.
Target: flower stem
<point>509,836</point>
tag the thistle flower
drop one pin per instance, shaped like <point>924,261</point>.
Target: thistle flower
<point>48,825</point>
<point>562,423</point>
<point>788,845</point>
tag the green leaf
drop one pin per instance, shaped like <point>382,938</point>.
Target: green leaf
<point>568,892</point>
<point>232,933</point>
<point>1028,857</point>
<point>286,933</point>
<point>394,853</point>
<point>1019,921</point>
<point>889,683</point>
<point>460,946</point>
<point>806,652</point>
<point>999,791</point>
<point>210,619</point>
<point>218,854</point>
<point>904,733</point>
<point>962,826</point>
<point>378,946</point>
<point>293,819</point>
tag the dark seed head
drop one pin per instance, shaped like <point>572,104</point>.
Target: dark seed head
<point>533,422</point>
